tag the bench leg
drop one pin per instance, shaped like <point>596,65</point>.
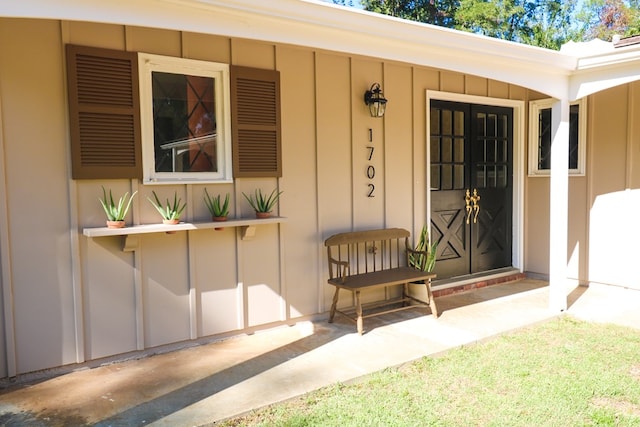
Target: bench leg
<point>359,313</point>
<point>432,301</point>
<point>332,313</point>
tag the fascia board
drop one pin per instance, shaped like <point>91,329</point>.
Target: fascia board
<point>325,26</point>
<point>590,80</point>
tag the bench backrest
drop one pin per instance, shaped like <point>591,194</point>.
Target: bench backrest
<point>370,250</point>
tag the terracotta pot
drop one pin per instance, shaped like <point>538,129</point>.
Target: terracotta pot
<point>115,224</point>
<point>218,218</point>
<point>263,214</point>
<point>171,221</point>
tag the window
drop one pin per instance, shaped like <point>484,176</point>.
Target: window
<point>162,119</point>
<point>185,118</point>
<point>540,137</point>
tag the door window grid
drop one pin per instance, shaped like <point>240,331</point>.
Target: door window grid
<point>447,149</point>
<point>493,171</point>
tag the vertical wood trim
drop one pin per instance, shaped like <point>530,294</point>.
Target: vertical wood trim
<point>6,280</point>
<point>74,237</point>
<point>629,142</point>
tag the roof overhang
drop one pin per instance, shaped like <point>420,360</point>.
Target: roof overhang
<point>323,25</point>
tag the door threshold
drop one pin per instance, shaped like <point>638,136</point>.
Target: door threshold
<point>474,281</point>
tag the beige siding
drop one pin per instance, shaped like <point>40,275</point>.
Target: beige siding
<point>34,129</point>
<point>84,298</point>
<point>299,147</point>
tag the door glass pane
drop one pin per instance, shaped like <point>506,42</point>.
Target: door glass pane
<point>501,153</point>
<point>459,150</point>
<point>435,121</point>
<point>502,176</point>
<point>503,127</point>
<point>458,177</point>
<point>490,151</point>
<point>447,150</point>
<point>435,177</point>
<point>435,150</point>
<point>446,182</point>
<point>459,123</point>
<point>447,123</point>
<point>481,181</point>
<point>491,127</point>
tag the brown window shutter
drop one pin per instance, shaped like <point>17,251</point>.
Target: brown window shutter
<point>104,113</point>
<point>255,122</point>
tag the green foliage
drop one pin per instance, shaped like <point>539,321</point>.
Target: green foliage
<point>261,203</point>
<point>437,12</point>
<point>171,210</point>
<point>215,206</point>
<point>421,261</point>
<point>543,23</point>
<point>494,19</point>
<point>116,211</point>
<point>563,372</point>
<point>603,19</point>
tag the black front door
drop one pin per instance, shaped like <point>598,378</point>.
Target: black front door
<point>471,187</point>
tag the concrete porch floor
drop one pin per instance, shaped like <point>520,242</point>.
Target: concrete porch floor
<point>204,384</point>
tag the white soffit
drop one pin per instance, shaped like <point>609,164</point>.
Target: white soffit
<point>323,25</point>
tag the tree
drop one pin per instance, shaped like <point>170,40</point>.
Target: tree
<point>549,24</point>
<point>437,12</point>
<point>605,18</point>
<point>500,19</point>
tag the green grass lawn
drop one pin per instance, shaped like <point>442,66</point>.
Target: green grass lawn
<point>562,373</point>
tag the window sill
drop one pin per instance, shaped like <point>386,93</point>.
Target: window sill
<point>247,227</point>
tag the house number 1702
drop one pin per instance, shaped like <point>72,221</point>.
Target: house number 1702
<point>371,173</point>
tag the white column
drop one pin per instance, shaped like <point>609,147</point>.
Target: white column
<point>559,207</point>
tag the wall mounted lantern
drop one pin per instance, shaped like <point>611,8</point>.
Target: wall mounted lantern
<point>374,98</point>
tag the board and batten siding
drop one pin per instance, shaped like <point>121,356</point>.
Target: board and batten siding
<point>68,298</point>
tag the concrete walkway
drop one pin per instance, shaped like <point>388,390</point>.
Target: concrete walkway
<point>207,383</point>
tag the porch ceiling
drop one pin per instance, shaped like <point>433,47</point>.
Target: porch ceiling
<point>323,25</point>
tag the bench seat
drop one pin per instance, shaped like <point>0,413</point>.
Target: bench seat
<point>373,259</point>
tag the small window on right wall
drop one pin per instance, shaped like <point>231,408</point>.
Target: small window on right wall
<point>540,137</point>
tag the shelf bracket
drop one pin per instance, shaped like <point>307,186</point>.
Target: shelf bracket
<point>130,242</point>
<point>247,232</point>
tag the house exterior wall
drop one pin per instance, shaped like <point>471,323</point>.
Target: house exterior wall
<point>68,298</point>
<point>603,229</point>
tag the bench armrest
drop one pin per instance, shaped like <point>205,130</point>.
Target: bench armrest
<point>417,259</point>
<point>341,272</point>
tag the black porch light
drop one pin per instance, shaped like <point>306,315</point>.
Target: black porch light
<point>375,100</point>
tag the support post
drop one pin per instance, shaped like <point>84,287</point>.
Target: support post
<point>559,207</point>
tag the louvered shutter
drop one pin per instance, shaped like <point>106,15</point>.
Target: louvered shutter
<point>255,121</point>
<point>104,113</point>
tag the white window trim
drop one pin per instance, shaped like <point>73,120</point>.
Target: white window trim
<point>534,112</point>
<point>147,63</point>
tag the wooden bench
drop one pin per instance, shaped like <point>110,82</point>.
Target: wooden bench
<point>372,259</point>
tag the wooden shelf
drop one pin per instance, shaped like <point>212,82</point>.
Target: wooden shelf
<point>247,228</point>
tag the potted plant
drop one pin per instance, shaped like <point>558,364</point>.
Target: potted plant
<point>116,211</point>
<point>262,204</point>
<point>172,211</point>
<point>424,255</point>
<point>219,210</point>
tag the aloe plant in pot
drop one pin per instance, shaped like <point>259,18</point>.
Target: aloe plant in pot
<point>171,211</point>
<point>116,212</point>
<point>423,257</point>
<point>262,204</point>
<point>219,210</point>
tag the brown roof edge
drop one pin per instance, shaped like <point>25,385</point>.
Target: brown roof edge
<point>626,41</point>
